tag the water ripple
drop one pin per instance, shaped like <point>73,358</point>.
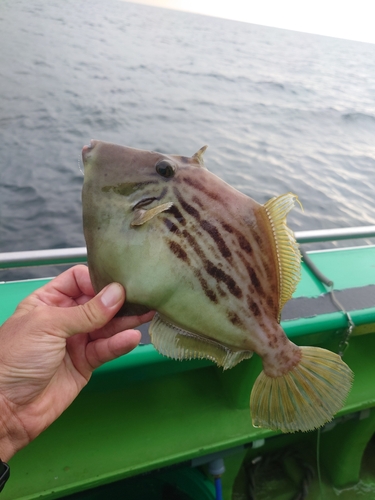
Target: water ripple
<point>281,111</point>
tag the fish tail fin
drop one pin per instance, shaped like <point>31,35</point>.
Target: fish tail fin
<point>306,397</point>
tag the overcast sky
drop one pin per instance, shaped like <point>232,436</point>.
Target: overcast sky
<point>351,19</point>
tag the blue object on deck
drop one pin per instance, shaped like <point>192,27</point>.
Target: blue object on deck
<point>218,488</point>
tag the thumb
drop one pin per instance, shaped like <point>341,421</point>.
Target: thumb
<point>95,313</point>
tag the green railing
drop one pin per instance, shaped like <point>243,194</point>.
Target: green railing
<point>78,255</point>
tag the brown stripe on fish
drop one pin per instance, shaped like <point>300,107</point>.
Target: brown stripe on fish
<point>227,227</point>
<point>215,235</point>
<point>267,269</point>
<point>253,306</point>
<point>257,237</point>
<point>220,275</point>
<point>267,274</point>
<point>255,281</point>
<point>189,238</point>
<point>179,251</point>
<point>253,250</point>
<point>247,247</point>
<point>220,291</point>
<point>267,290</point>
<point>162,194</point>
<point>125,189</point>
<point>185,205</point>
<point>171,226</point>
<point>254,285</point>
<point>256,261</point>
<point>245,263</point>
<point>271,304</point>
<point>178,215</point>
<point>243,242</point>
<point>193,243</point>
<point>197,201</point>
<point>205,225</point>
<point>234,319</point>
<point>214,195</point>
<point>207,290</point>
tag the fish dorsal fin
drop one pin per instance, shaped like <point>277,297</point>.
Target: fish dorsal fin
<point>141,216</point>
<point>288,254</point>
<point>180,344</point>
<point>199,156</point>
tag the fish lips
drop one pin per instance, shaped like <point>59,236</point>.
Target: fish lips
<point>87,150</point>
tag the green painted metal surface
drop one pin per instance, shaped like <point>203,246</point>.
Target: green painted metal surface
<point>182,483</point>
<point>349,268</point>
<point>144,412</point>
<point>294,466</point>
<point>12,292</point>
<point>343,447</point>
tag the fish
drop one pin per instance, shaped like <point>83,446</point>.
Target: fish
<point>216,266</point>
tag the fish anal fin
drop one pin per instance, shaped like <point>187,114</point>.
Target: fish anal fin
<point>287,251</point>
<point>141,216</point>
<point>176,343</point>
<point>306,397</point>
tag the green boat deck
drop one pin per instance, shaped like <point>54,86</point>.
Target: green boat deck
<point>144,412</point>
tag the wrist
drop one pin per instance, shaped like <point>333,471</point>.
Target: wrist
<point>13,435</point>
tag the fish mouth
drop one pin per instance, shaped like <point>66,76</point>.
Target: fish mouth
<point>86,150</point>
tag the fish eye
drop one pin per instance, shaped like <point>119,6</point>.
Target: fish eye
<point>165,168</point>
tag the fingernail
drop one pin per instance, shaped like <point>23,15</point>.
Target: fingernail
<point>112,295</point>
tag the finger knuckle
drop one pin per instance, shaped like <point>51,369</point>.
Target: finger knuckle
<point>89,314</point>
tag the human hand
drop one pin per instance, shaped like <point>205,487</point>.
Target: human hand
<point>50,347</point>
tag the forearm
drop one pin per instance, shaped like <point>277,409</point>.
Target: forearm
<point>13,436</point>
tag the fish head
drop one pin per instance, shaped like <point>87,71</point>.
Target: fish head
<point>123,189</point>
<point>112,164</point>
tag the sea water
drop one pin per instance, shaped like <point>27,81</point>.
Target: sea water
<point>280,110</point>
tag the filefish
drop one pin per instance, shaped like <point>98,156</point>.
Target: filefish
<point>216,266</point>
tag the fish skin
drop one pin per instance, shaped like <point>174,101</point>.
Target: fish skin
<point>202,245</point>
<point>207,261</point>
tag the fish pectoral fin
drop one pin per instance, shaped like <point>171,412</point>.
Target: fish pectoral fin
<point>176,343</point>
<point>306,397</point>
<point>141,216</point>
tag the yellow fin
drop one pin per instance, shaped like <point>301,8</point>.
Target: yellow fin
<point>288,254</point>
<point>177,343</point>
<point>141,216</point>
<point>306,397</point>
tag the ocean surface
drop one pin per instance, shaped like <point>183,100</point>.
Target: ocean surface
<point>280,110</point>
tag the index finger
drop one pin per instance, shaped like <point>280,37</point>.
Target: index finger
<point>121,323</point>
<point>71,284</point>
